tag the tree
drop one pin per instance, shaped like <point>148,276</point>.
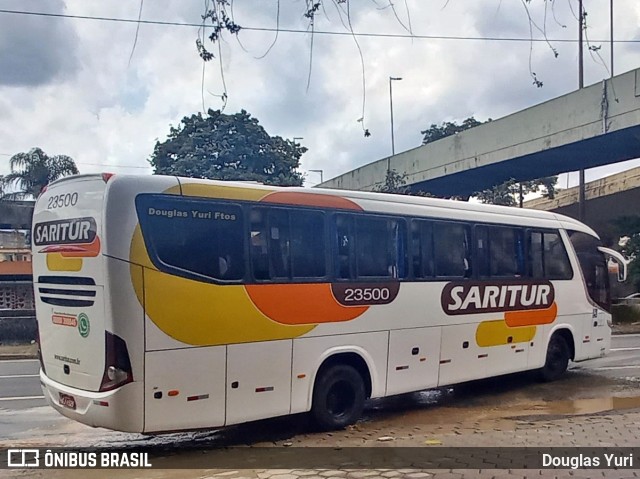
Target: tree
<point>394,182</point>
<point>511,193</point>
<point>448,128</point>
<point>227,147</point>
<point>32,171</point>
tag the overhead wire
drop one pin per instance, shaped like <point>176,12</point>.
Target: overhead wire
<point>316,32</point>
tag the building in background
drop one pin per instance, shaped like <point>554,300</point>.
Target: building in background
<point>16,280</point>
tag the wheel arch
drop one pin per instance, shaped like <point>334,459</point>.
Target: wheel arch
<point>351,356</point>
<point>567,333</point>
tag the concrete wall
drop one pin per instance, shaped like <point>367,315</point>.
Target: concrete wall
<point>18,328</point>
<point>606,200</point>
<point>16,214</point>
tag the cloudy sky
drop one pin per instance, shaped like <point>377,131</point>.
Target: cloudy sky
<point>72,86</point>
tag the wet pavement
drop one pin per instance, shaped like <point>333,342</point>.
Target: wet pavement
<point>592,406</point>
<point>583,409</point>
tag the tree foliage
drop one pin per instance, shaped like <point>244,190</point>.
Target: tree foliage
<point>394,182</point>
<point>511,193</point>
<point>448,128</point>
<point>227,147</point>
<point>32,171</point>
<point>628,227</point>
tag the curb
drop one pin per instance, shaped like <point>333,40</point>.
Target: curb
<point>15,351</point>
<point>12,357</point>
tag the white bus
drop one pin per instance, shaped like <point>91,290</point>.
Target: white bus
<point>169,304</point>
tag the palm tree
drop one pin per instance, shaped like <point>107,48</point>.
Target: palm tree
<point>32,171</point>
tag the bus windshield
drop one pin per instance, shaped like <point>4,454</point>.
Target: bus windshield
<point>594,268</point>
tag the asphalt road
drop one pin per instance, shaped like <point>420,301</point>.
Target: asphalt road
<point>19,384</point>
<point>623,360</point>
<point>23,408</point>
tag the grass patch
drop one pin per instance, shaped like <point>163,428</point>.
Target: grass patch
<point>625,314</point>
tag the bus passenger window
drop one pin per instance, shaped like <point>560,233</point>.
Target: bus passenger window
<point>259,247</point>
<point>279,247</point>
<point>307,244</point>
<point>344,246</point>
<point>191,239</point>
<point>556,261</point>
<point>451,250</point>
<point>503,252</point>
<point>536,256</point>
<point>381,250</point>
<point>548,256</point>
<point>422,249</point>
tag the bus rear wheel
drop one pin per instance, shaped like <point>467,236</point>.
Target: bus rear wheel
<point>338,397</point>
<point>557,359</point>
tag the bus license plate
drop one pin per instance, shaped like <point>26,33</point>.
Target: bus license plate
<point>67,401</point>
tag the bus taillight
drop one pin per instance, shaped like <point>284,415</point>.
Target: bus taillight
<point>117,366</point>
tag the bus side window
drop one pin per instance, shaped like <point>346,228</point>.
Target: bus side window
<point>381,247</point>
<point>556,261</point>
<point>422,249</point>
<point>344,246</point>
<point>503,252</point>
<point>548,256</point>
<point>536,254</point>
<point>259,245</point>
<point>482,251</point>
<point>191,245</point>
<point>451,249</point>
<point>399,251</point>
<point>279,246</point>
<point>307,244</point>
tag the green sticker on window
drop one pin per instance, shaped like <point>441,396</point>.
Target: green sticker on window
<point>83,325</point>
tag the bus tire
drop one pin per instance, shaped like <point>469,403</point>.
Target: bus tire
<point>338,397</point>
<point>557,359</point>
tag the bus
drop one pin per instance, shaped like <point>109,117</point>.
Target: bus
<point>169,304</point>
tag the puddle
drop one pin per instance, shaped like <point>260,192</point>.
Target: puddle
<point>442,415</point>
<point>589,406</point>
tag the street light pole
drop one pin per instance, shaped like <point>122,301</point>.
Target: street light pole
<point>581,180</point>
<point>391,79</point>
<point>611,32</point>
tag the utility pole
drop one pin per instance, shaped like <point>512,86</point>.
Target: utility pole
<point>393,144</point>
<point>611,32</point>
<point>581,186</point>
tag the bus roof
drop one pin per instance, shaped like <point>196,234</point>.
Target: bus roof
<point>462,206</point>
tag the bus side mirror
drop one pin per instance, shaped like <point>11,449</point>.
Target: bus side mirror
<point>620,261</point>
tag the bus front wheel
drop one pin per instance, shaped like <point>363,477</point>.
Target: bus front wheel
<point>557,359</point>
<point>338,397</point>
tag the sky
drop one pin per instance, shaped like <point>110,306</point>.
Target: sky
<point>79,87</point>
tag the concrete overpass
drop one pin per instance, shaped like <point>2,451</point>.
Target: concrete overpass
<point>606,200</point>
<point>594,126</point>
